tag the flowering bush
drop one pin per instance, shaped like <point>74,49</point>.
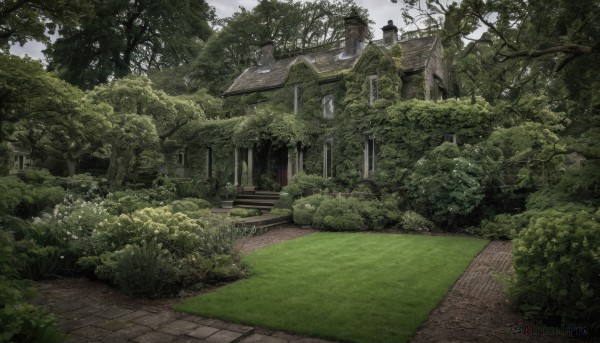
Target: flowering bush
<point>304,208</point>
<point>415,222</point>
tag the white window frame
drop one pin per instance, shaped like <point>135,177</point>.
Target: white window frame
<point>297,99</point>
<point>328,99</point>
<point>372,96</point>
<point>369,157</point>
<point>328,158</point>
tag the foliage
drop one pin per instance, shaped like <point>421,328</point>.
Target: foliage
<point>285,201</point>
<point>281,211</point>
<point>301,183</point>
<point>557,263</point>
<point>26,200</point>
<point>413,221</point>
<point>339,214</point>
<point>120,37</point>
<point>448,183</point>
<point>380,215</point>
<point>304,208</point>
<point>244,212</point>
<point>85,186</point>
<point>144,270</point>
<point>281,129</point>
<point>20,321</point>
<point>128,201</point>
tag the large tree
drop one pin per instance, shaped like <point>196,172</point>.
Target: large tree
<point>293,26</point>
<point>123,37</point>
<point>25,20</point>
<point>143,119</point>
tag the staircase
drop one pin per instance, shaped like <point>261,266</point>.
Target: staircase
<point>261,200</point>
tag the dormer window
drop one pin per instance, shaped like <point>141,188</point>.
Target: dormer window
<point>373,93</point>
<point>297,100</point>
<point>328,106</point>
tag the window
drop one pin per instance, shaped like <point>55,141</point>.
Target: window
<point>370,152</point>
<point>209,159</point>
<point>327,158</point>
<point>373,94</point>
<point>297,100</point>
<point>181,158</point>
<point>449,138</point>
<point>328,106</point>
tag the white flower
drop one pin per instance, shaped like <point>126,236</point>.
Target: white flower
<point>62,257</point>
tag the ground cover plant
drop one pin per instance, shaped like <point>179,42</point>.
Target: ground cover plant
<point>346,286</point>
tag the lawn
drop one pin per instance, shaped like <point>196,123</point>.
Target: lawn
<point>345,286</point>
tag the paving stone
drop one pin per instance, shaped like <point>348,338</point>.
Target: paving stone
<point>178,327</point>
<point>202,332</point>
<point>68,306</point>
<point>115,324</point>
<point>239,327</point>
<point>91,332</point>
<point>258,338</point>
<point>130,332</point>
<point>216,323</point>
<point>155,320</point>
<point>135,314</point>
<point>223,336</point>
<point>154,337</point>
<point>113,312</point>
<point>188,339</point>
<point>81,312</point>
<point>73,324</point>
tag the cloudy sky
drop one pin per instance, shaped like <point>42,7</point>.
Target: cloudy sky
<point>380,11</point>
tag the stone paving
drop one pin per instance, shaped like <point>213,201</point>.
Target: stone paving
<point>84,320</point>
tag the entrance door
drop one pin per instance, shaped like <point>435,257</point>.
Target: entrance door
<point>282,165</point>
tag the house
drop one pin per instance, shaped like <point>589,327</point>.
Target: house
<point>22,158</point>
<point>328,93</point>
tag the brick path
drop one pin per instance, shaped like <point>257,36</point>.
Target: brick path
<point>84,320</point>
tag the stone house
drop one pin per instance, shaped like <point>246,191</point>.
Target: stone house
<point>322,88</point>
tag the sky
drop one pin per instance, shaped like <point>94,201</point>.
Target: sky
<point>380,11</point>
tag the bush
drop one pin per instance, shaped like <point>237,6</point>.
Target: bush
<point>194,188</point>
<point>302,183</point>
<point>557,262</point>
<point>146,270</point>
<point>281,211</point>
<point>244,212</point>
<point>123,202</point>
<point>413,221</point>
<point>27,200</point>
<point>85,186</point>
<point>19,320</point>
<point>305,208</point>
<point>285,201</point>
<point>339,214</point>
<point>505,226</point>
<point>380,215</point>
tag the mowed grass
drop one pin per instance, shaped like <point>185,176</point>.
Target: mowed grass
<point>345,286</point>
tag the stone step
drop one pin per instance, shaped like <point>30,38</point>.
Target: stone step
<point>256,201</point>
<point>258,207</point>
<point>256,196</point>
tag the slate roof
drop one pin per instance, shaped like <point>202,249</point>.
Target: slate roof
<point>415,54</point>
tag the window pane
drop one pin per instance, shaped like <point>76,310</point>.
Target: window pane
<point>328,106</point>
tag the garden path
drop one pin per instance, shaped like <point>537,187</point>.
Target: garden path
<point>475,310</point>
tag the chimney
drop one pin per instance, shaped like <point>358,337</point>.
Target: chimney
<point>356,32</point>
<point>390,34</point>
<point>266,56</point>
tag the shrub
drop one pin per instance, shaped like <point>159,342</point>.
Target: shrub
<point>505,226</point>
<point>128,201</point>
<point>189,205</point>
<point>27,200</point>
<point>413,221</point>
<point>85,186</point>
<point>557,263</point>
<point>281,211</point>
<point>339,214</point>
<point>20,321</point>
<point>302,183</point>
<point>305,208</point>
<point>285,201</point>
<point>382,214</point>
<point>194,188</point>
<point>146,270</point>
<point>244,212</point>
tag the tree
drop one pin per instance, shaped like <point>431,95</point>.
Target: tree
<point>293,26</point>
<point>143,119</point>
<point>123,37</point>
<point>24,20</point>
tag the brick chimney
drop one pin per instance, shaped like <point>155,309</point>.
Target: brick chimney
<point>356,33</point>
<point>265,57</point>
<point>390,34</point>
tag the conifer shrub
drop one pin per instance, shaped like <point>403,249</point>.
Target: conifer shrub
<point>557,266</point>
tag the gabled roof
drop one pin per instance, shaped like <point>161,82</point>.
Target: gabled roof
<point>415,55</point>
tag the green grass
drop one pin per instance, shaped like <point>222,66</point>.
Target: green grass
<point>346,286</point>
